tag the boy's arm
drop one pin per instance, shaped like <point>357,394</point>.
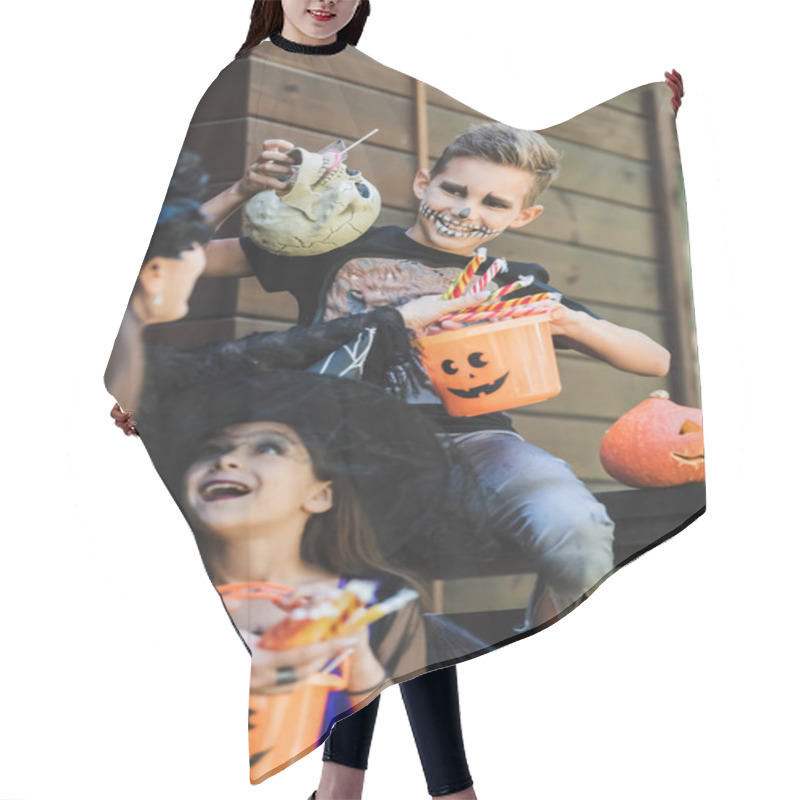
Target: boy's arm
<point>623,348</point>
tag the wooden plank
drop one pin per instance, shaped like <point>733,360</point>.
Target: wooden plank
<point>191,333</point>
<point>591,274</point>
<point>594,223</point>
<point>356,67</point>
<point>227,96</point>
<point>576,441</point>
<point>592,388</point>
<point>632,101</point>
<point>317,102</point>
<point>584,169</point>
<point>440,99</point>
<point>603,127</point>
<point>670,501</point>
<point>603,175</point>
<point>255,301</point>
<point>421,118</point>
<point>222,146</point>
<point>671,237</point>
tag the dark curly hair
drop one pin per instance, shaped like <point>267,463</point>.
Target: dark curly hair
<point>180,223</point>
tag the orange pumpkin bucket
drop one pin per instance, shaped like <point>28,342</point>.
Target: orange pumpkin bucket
<point>283,725</point>
<point>492,366</point>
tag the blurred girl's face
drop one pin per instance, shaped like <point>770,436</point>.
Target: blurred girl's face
<point>316,22</point>
<point>256,475</point>
<point>167,284</point>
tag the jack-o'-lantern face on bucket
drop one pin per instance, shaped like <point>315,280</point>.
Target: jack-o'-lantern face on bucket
<point>488,367</point>
<point>474,376</point>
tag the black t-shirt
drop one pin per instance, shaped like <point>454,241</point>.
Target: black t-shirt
<point>384,267</point>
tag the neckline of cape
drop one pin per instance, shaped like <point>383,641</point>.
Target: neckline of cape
<point>308,49</point>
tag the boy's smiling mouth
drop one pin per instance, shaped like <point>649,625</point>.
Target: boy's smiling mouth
<point>448,226</point>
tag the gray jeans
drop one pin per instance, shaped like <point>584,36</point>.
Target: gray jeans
<point>537,500</point>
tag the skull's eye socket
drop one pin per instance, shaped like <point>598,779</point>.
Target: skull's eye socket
<point>352,172</point>
<point>449,367</point>
<point>363,189</point>
<point>476,360</point>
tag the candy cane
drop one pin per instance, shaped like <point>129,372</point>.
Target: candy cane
<point>510,312</point>
<point>498,265</point>
<point>522,283</point>
<point>456,288</point>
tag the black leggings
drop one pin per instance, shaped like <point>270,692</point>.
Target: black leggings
<point>432,707</point>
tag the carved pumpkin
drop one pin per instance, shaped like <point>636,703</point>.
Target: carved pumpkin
<point>657,443</point>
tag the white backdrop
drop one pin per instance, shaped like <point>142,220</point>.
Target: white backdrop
<point>122,678</point>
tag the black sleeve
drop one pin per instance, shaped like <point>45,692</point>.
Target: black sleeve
<point>540,284</point>
<point>516,270</point>
<point>270,269</point>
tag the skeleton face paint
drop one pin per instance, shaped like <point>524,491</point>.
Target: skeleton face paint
<point>327,206</point>
<point>450,226</point>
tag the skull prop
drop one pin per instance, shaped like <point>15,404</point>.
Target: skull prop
<point>327,206</point>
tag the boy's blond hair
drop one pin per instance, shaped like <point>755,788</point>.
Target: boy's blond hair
<point>504,144</point>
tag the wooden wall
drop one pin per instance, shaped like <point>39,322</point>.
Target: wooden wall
<point>602,237</point>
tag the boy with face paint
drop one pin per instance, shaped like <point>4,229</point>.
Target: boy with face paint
<point>488,180</point>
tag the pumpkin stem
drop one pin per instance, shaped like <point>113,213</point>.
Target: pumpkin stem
<point>661,393</point>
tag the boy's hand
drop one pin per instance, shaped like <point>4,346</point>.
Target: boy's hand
<point>269,171</point>
<point>421,315</point>
<point>563,320</point>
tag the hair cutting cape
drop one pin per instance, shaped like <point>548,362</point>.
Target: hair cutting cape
<point>371,505</point>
